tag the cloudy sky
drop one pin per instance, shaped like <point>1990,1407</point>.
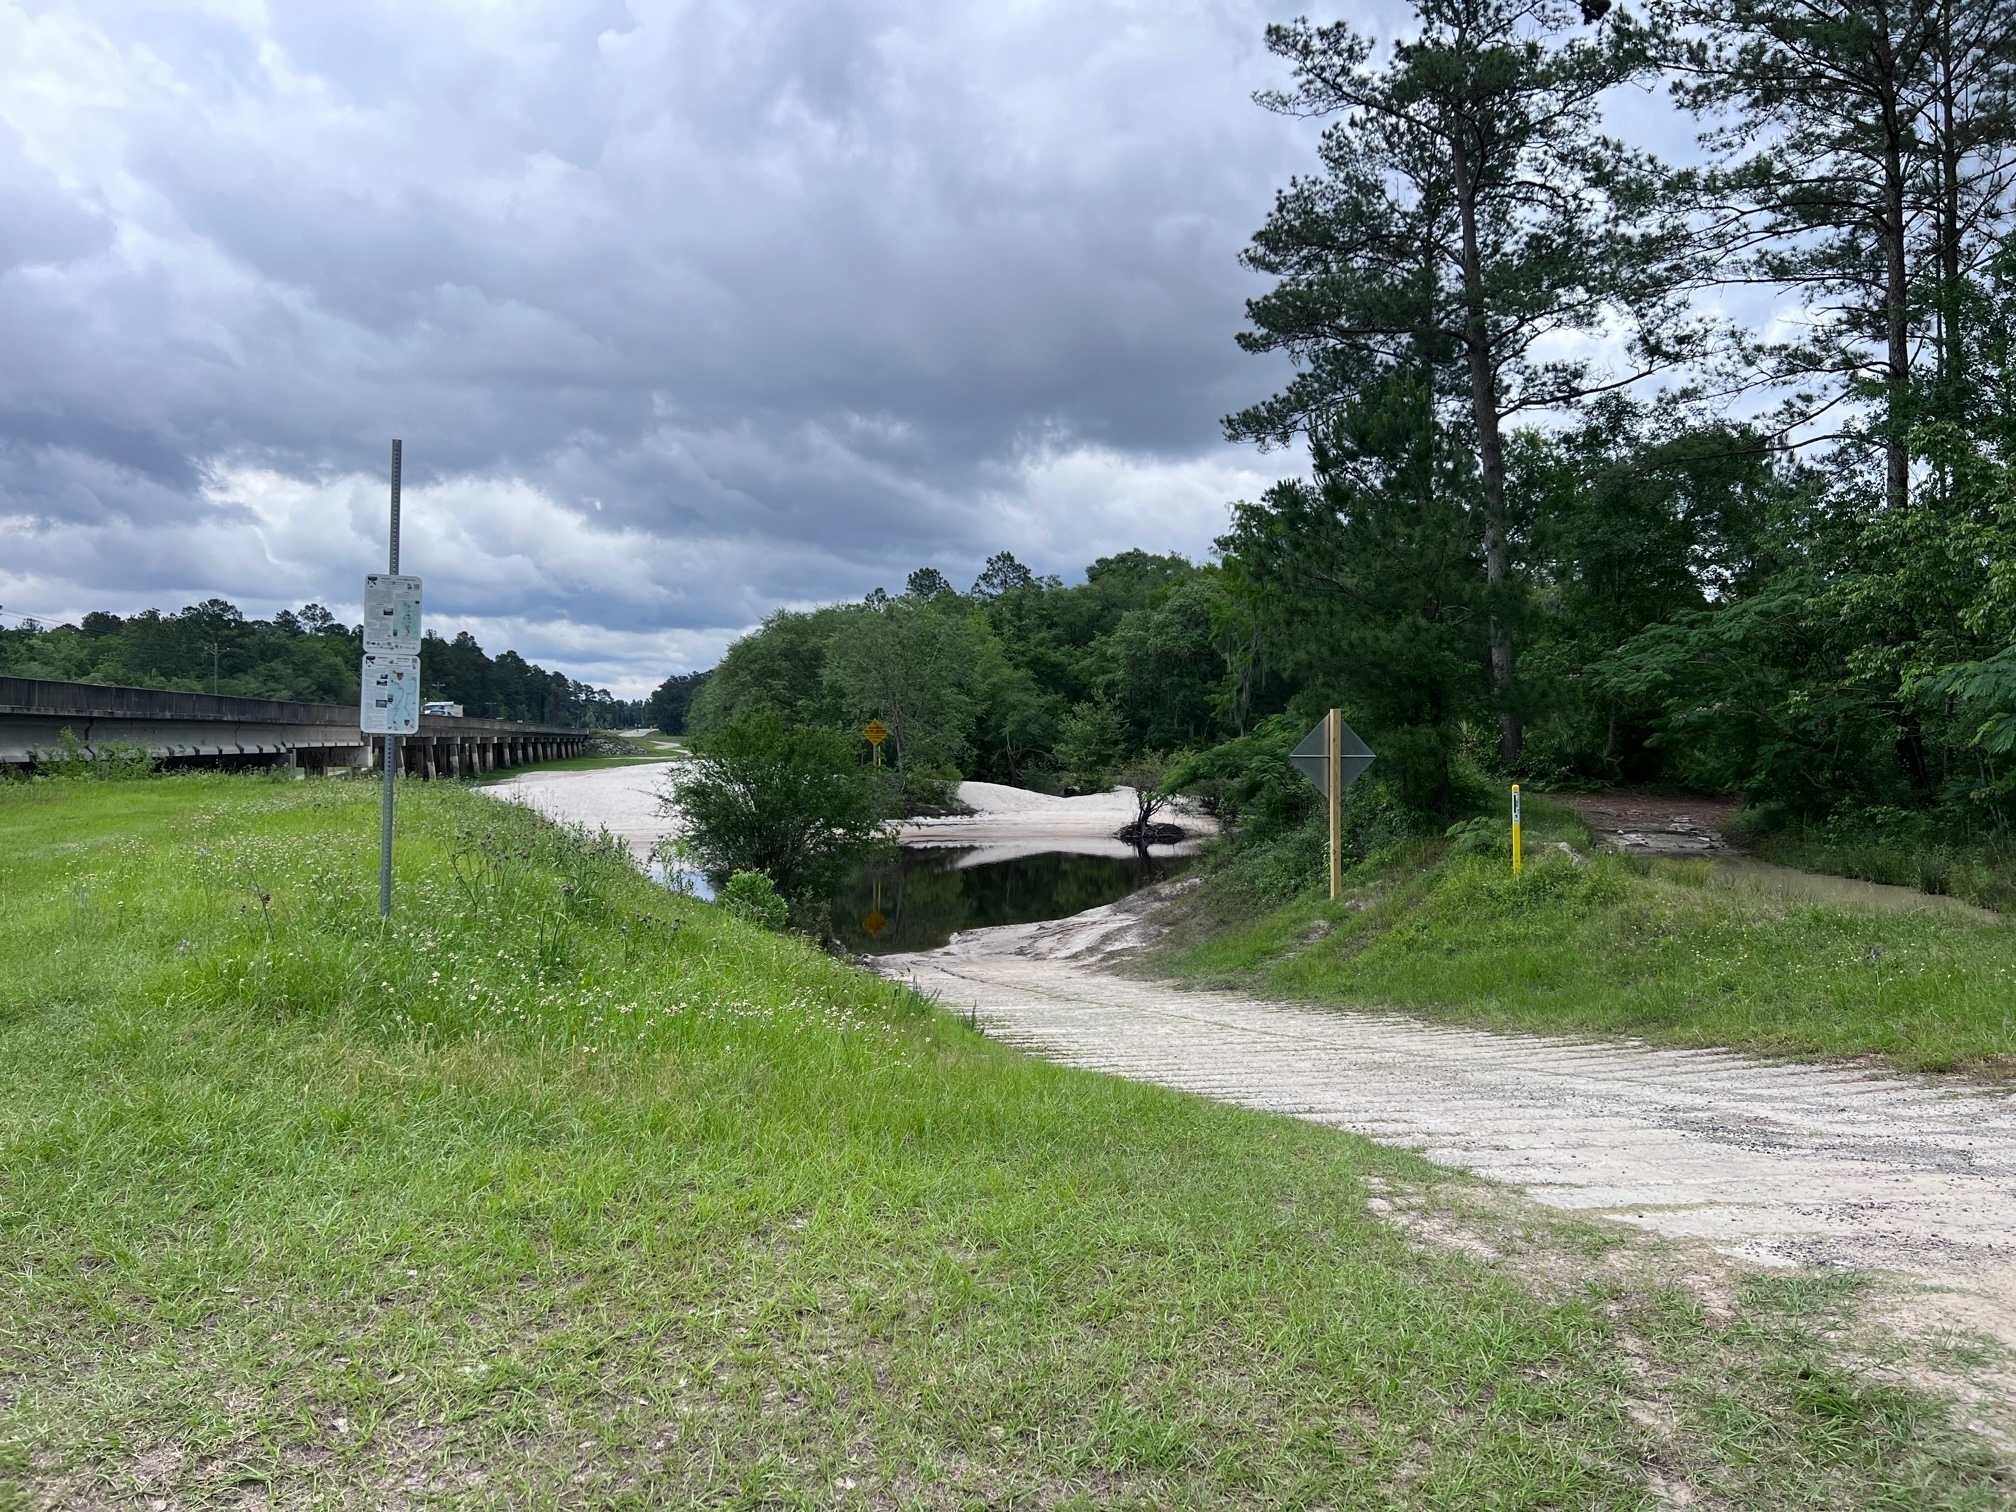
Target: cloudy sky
<point>683,310</point>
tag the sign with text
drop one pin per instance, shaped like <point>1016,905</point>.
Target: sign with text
<point>392,614</point>
<point>875,732</point>
<point>1312,757</point>
<point>391,695</point>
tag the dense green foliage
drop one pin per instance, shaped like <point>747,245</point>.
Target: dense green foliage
<point>559,1190</point>
<point>1811,607</point>
<point>1020,680</point>
<point>212,648</point>
<point>206,648</point>
<point>671,701</point>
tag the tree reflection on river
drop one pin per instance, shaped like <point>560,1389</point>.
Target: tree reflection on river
<point>920,900</point>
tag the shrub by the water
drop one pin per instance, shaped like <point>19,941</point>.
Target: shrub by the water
<point>791,801</point>
<point>750,895</point>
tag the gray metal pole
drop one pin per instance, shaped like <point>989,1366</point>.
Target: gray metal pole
<point>391,741</point>
<point>1336,804</point>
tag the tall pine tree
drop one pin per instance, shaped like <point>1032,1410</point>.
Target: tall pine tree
<point>1470,213</point>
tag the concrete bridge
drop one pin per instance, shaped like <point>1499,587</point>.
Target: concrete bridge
<point>202,729</point>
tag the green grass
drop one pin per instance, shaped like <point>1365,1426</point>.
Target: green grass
<point>1613,945</point>
<point>562,1191</point>
<point>1899,850</point>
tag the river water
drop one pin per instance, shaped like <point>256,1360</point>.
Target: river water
<point>929,893</point>
<point>1017,858</point>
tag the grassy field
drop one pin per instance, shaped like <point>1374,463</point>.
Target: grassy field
<point>562,1191</point>
<point>1613,945</point>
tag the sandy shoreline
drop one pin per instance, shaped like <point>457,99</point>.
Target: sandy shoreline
<point>1007,823</point>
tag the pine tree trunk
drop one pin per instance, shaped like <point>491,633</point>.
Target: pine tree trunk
<point>1490,453</point>
<point>1896,297</point>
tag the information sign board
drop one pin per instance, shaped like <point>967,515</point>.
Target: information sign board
<point>391,703</point>
<point>392,614</point>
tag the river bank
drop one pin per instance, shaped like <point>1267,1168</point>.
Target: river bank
<point>1001,823</point>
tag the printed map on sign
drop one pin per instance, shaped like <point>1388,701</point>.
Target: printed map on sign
<point>391,703</point>
<point>392,613</point>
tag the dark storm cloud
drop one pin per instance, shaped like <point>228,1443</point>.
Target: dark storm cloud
<point>683,309</point>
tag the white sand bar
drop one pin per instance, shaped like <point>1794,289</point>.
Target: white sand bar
<point>1009,822</point>
<point>1005,823</point>
<point>620,799</point>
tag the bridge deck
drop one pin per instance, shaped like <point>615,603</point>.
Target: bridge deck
<point>207,728</point>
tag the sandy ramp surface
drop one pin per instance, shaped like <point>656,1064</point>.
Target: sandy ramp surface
<point>1778,1164</point>
<point>621,799</point>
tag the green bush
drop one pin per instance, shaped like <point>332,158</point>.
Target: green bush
<point>1090,741</point>
<point>1482,837</point>
<point>791,801</point>
<point>106,761</point>
<point>1249,783</point>
<point>1271,867</point>
<point>751,896</point>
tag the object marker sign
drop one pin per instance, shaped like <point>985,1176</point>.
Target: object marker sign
<point>1312,757</point>
<point>1332,757</point>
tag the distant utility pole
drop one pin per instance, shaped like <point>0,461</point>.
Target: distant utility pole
<point>213,669</point>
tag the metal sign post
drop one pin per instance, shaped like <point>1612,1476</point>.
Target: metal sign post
<point>391,676</point>
<point>1336,791</point>
<point>1332,757</point>
<point>1518,856</point>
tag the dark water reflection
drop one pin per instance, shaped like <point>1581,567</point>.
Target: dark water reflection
<point>920,900</point>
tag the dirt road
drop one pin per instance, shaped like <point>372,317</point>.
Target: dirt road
<point>1777,1164</point>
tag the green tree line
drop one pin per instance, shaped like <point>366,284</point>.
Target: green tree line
<point>1564,520</point>
<point>1552,499</point>
<point>305,654</point>
<point>1020,679</point>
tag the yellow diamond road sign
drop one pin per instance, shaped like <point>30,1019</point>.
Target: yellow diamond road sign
<point>875,732</point>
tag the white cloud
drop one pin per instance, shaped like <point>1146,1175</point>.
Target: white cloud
<point>515,566</point>
<point>684,308</point>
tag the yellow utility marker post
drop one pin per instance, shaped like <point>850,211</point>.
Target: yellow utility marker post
<point>1518,853</point>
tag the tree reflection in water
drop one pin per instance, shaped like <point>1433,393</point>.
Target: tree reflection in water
<point>920,900</point>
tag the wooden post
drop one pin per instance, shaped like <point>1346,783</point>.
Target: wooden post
<point>1336,804</point>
